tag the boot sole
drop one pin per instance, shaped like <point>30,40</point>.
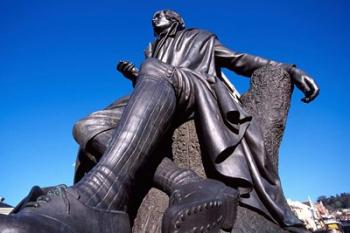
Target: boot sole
<point>207,215</point>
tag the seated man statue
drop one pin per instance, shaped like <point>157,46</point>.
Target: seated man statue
<point>180,79</point>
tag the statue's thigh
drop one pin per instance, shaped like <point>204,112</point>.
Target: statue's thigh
<point>96,123</point>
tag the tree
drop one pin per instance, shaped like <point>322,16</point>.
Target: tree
<point>339,201</point>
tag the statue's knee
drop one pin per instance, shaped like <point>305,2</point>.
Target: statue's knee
<point>155,68</point>
<point>148,65</point>
<point>79,131</point>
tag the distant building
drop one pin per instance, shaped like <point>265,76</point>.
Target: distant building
<point>4,208</point>
<point>322,210</point>
<point>305,213</point>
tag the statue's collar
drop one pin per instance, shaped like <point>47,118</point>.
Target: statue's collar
<point>169,32</point>
<point>163,36</point>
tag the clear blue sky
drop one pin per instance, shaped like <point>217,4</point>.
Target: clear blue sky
<point>57,64</point>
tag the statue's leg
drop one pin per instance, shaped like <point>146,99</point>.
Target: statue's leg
<point>108,186</point>
<point>195,204</point>
<point>168,177</point>
<point>83,163</point>
<point>146,118</point>
<point>174,179</point>
<point>105,190</point>
<point>97,123</point>
<point>92,149</point>
<point>141,127</point>
<point>93,134</point>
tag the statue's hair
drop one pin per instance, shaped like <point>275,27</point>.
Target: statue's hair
<point>173,16</point>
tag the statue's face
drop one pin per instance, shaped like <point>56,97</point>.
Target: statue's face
<point>160,22</point>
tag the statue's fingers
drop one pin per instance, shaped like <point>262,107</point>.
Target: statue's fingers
<point>129,67</point>
<point>313,87</point>
<point>311,95</point>
<point>124,66</point>
<point>307,94</point>
<point>307,86</point>
<point>305,99</point>
<point>120,65</point>
<point>314,95</point>
<point>123,62</point>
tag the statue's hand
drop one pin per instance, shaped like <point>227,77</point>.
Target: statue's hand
<point>305,83</point>
<point>128,69</point>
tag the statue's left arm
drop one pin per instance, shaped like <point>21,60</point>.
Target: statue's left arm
<point>245,64</point>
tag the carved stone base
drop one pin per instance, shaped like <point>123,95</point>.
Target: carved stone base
<point>268,100</point>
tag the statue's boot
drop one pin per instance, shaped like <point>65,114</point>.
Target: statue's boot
<point>203,206</point>
<point>196,204</point>
<point>32,196</point>
<point>60,211</point>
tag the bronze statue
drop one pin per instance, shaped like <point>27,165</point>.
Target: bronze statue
<point>179,80</point>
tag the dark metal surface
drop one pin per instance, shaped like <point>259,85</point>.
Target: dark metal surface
<point>233,142</point>
<point>179,80</point>
<point>268,85</point>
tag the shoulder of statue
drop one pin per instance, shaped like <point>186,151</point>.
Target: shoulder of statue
<point>200,32</point>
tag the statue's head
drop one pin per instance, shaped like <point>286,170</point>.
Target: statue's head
<point>163,20</point>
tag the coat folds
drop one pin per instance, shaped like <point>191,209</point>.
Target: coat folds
<point>230,137</point>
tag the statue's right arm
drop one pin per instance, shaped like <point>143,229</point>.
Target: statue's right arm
<point>129,70</point>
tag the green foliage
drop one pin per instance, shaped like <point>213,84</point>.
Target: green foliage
<point>340,201</point>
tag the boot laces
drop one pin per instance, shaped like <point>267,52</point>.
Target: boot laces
<point>58,191</point>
